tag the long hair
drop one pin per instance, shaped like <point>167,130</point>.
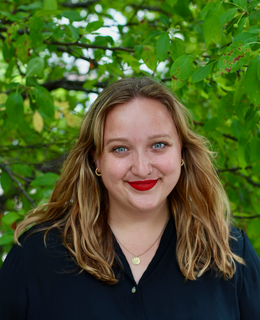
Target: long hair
<point>79,203</point>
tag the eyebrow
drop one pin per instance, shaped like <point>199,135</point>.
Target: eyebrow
<point>121,139</point>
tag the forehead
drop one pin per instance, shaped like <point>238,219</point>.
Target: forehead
<point>139,116</point>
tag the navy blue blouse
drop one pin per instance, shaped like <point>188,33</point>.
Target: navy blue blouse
<point>39,283</point>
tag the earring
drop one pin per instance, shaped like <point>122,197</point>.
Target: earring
<point>182,162</point>
<point>97,173</point>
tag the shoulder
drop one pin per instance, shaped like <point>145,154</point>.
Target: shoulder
<point>236,241</point>
<point>241,246</point>
<point>43,251</point>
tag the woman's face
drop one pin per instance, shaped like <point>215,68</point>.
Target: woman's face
<point>141,160</point>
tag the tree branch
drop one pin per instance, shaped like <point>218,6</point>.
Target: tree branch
<point>232,169</point>
<point>229,137</point>
<point>73,53</point>
<point>150,8</point>
<point>71,85</point>
<point>247,217</point>
<point>80,4</point>
<point>249,180</point>
<point>88,46</point>
<point>9,172</point>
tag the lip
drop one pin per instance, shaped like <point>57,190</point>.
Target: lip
<point>142,185</point>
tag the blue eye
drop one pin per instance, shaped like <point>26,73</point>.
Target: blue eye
<point>158,145</point>
<point>120,149</point>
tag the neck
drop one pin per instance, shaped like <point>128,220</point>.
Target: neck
<point>136,226</point>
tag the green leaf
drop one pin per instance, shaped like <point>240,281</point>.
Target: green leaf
<point>23,47</point>
<point>258,69</point>
<point>205,10</point>
<point>162,46</point>
<point>252,81</point>
<point>44,101</point>
<point>8,51</point>
<point>164,19</point>
<point>253,29</point>
<point>237,129</point>
<point>177,48</point>
<point>254,148</point>
<point>47,179</point>
<point>234,57</point>
<point>74,32</point>
<point>211,28</point>
<point>254,17</point>
<point>246,37</point>
<point>6,238</point>
<point>241,3</point>
<point>149,57</point>
<point>94,25</point>
<point>35,67</point>
<point>251,119</point>
<point>50,5</point>
<point>36,24</point>
<point>171,2</point>
<point>72,15</point>
<point>240,89</point>
<point>33,6</point>
<point>181,70</point>
<point>10,217</point>
<point>225,107</point>
<point>241,155</point>
<point>14,108</point>
<point>153,34</point>
<point>202,73</point>
<point>227,16</point>
<point>6,181</point>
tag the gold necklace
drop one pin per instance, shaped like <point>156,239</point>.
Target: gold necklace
<point>136,260</point>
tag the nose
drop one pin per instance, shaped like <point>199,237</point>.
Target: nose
<point>141,165</point>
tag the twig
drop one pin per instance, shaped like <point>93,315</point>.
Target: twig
<point>229,137</point>
<point>72,52</point>
<point>150,8</point>
<point>88,46</point>
<point>20,177</point>
<point>233,169</point>
<point>249,180</point>
<point>9,172</point>
<point>79,4</point>
<point>247,217</point>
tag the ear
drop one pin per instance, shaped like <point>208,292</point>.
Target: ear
<point>95,157</point>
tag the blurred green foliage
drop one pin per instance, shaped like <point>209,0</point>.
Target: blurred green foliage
<point>56,56</point>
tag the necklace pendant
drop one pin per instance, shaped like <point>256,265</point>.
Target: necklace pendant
<point>136,260</point>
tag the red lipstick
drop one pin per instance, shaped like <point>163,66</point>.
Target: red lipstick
<point>142,185</point>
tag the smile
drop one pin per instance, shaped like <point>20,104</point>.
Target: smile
<point>142,185</point>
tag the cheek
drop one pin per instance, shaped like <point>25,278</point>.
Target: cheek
<point>170,165</point>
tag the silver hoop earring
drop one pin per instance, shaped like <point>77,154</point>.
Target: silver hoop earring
<point>182,162</point>
<point>97,173</point>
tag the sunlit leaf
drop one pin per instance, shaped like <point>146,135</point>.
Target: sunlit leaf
<point>162,46</point>
<point>252,80</point>
<point>47,179</point>
<point>38,122</point>
<point>228,15</point>
<point>14,108</point>
<point>35,67</point>
<point>233,58</point>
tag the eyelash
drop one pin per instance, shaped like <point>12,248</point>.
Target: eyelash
<point>161,143</point>
<point>116,149</point>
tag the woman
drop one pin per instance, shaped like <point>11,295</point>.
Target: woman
<point>137,226</point>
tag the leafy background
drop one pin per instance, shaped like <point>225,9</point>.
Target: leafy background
<point>56,56</point>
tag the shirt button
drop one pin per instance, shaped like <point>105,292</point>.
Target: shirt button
<point>134,290</point>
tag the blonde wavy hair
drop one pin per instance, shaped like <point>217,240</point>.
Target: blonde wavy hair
<point>79,203</point>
